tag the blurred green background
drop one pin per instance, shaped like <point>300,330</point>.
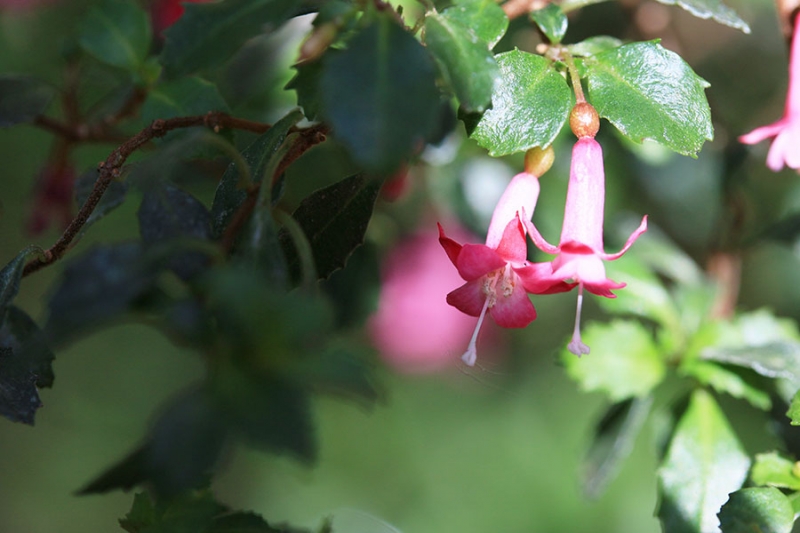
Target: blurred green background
<point>491,450</point>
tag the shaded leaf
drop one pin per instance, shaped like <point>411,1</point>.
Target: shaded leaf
<point>757,510</point>
<point>244,522</point>
<point>111,199</point>
<point>530,105</point>
<point>726,380</point>
<point>187,96</point>
<point>10,278</point>
<point>141,515</point>
<point>627,362</point>
<point>466,61</point>
<point>649,92</point>
<point>340,371</point>
<point>380,95</point>
<point>22,99</point>
<point>704,463</point>
<point>168,214</point>
<point>775,471</point>
<point>613,441</point>
<point>334,220</point>
<point>306,84</point>
<point>258,155</point>
<point>552,21</point>
<point>208,34</point>
<point>99,286</point>
<point>484,17</point>
<point>713,9</point>
<point>117,33</point>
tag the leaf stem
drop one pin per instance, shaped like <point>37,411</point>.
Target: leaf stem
<point>303,247</point>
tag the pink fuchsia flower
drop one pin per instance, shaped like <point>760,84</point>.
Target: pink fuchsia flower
<point>165,13</point>
<point>580,253</point>
<point>413,328</point>
<point>784,149</point>
<point>497,274</point>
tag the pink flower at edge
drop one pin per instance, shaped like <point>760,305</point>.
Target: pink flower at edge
<point>580,253</point>
<point>786,130</point>
<point>497,274</point>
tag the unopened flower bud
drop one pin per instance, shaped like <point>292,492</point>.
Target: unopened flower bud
<point>584,120</point>
<point>539,160</point>
<point>318,41</point>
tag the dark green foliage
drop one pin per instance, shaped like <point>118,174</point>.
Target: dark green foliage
<point>22,99</point>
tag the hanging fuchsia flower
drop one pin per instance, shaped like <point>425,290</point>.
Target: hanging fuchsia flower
<point>497,274</point>
<point>784,149</point>
<point>580,253</point>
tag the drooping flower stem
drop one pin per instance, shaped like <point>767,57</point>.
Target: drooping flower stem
<point>573,75</point>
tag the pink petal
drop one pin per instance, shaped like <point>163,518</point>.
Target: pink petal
<point>469,298</point>
<point>635,235</point>
<point>604,287</point>
<point>777,152</point>
<point>514,311</point>
<point>476,260</point>
<point>539,278</point>
<point>521,193</point>
<point>583,214</point>
<point>451,247</point>
<point>537,238</point>
<point>512,246</point>
<point>764,132</point>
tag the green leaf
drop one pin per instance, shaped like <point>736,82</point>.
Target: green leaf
<point>649,92</point>
<point>167,215</point>
<point>101,285</point>
<point>726,380</point>
<point>613,441</point>
<point>141,515</point>
<point>271,414</point>
<point>704,463</point>
<point>337,370</point>
<point>757,510</point>
<point>244,522</point>
<point>10,278</point>
<point>306,84</point>
<point>775,471</point>
<point>594,45</point>
<point>258,155</point>
<point>117,33</point>
<point>624,361</point>
<point>186,96</point>
<point>207,34</point>
<point>380,95</point>
<point>111,199</point>
<point>334,220</point>
<point>22,99</point>
<point>484,17</point>
<point>467,63</point>
<point>713,9</point>
<point>552,21</point>
<point>794,410</point>
<point>530,105</point>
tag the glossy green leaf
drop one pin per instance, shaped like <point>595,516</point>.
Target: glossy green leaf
<point>552,21</point>
<point>22,99</point>
<point>594,45</point>
<point>11,276</point>
<point>613,441</point>
<point>726,380</point>
<point>649,92</point>
<point>380,95</point>
<point>713,9</point>
<point>775,471</point>
<point>484,17</point>
<point>231,191</point>
<point>111,199</point>
<point>757,510</point>
<point>467,63</point>
<point>207,34</point>
<point>117,33</point>
<point>334,220</point>
<point>530,105</point>
<point>704,463</point>
<point>624,361</point>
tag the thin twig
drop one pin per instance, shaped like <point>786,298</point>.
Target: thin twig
<point>110,169</point>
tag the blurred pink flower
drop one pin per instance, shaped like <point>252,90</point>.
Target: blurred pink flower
<point>165,13</point>
<point>785,149</point>
<point>580,253</point>
<point>413,328</point>
<point>53,197</point>
<point>497,274</point>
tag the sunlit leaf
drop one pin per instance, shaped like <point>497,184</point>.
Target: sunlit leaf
<point>530,105</point>
<point>649,92</point>
<point>726,380</point>
<point>713,9</point>
<point>773,470</point>
<point>552,21</point>
<point>757,510</point>
<point>704,463</point>
<point>484,17</point>
<point>594,45</point>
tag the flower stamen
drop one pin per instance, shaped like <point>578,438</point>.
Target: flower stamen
<point>576,345</point>
<point>471,355</point>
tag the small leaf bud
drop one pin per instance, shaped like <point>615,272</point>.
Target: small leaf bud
<point>539,160</point>
<point>584,120</point>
